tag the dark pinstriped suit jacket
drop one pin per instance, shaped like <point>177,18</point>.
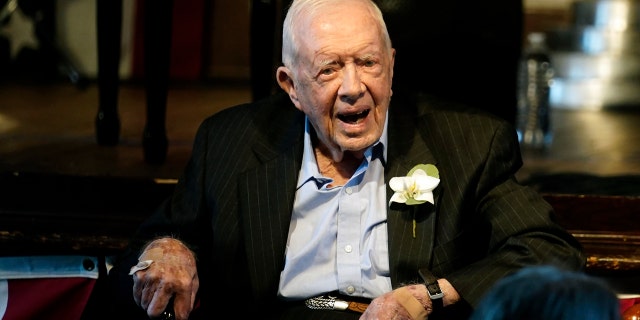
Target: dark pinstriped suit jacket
<point>234,202</point>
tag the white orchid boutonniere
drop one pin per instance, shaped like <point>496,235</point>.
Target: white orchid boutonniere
<point>416,188</point>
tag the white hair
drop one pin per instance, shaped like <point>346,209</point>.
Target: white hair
<point>299,8</point>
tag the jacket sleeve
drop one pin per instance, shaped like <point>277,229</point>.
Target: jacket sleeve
<point>505,225</point>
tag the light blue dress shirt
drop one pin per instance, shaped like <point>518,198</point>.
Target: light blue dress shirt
<point>338,235</point>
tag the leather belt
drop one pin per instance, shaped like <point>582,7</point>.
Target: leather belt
<point>329,302</point>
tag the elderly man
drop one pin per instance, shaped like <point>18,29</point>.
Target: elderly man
<point>327,201</point>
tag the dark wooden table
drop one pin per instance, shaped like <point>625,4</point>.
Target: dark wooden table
<point>62,214</point>
<point>590,147</point>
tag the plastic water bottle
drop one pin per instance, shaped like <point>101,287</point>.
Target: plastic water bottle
<point>535,77</point>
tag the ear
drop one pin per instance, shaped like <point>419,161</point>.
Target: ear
<point>393,60</point>
<point>285,81</point>
<point>392,63</point>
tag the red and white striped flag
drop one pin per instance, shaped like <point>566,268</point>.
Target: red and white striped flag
<point>46,287</point>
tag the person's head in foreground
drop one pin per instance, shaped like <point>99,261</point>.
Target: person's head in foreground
<point>549,293</point>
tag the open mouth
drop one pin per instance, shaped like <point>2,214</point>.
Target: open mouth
<point>354,117</point>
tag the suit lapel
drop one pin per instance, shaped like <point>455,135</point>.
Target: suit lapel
<point>266,200</point>
<point>406,150</point>
<point>266,219</point>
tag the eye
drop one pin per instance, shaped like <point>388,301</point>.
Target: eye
<point>369,63</point>
<point>327,72</point>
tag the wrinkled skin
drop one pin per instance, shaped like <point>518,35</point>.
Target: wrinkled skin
<point>342,80</point>
<point>173,274</point>
<point>387,306</point>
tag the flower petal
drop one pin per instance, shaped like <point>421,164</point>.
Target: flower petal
<point>398,184</point>
<point>398,197</point>
<point>427,183</point>
<point>419,173</point>
<point>425,196</point>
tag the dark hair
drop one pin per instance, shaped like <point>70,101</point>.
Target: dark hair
<point>549,293</point>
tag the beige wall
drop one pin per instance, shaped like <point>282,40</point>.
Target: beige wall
<point>77,34</point>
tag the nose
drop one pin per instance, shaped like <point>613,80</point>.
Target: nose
<point>352,86</point>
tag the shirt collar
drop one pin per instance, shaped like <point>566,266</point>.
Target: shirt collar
<point>309,169</point>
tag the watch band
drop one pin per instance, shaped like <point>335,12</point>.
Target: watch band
<point>433,288</point>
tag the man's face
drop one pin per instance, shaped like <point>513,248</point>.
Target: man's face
<point>342,79</point>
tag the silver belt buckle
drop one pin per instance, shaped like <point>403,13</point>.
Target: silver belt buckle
<point>326,303</point>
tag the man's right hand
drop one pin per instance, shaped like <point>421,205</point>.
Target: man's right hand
<point>171,274</point>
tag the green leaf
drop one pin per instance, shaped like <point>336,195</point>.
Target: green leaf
<point>430,169</point>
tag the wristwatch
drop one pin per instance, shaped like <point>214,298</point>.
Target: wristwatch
<point>433,288</point>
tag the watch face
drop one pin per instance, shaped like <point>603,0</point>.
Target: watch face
<point>434,291</point>
<point>431,282</point>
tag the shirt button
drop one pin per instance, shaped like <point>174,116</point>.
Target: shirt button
<point>351,289</point>
<point>348,248</point>
<point>348,190</point>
